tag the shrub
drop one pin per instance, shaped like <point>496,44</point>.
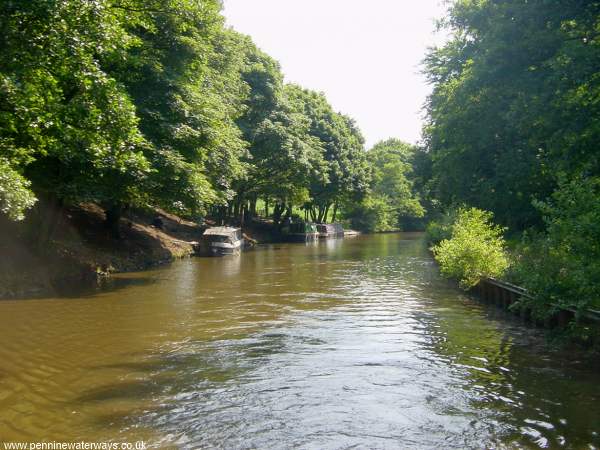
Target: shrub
<point>561,267</point>
<point>475,250</point>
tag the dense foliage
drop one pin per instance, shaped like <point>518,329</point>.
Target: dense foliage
<point>513,128</point>
<point>475,249</point>
<point>515,103</point>
<point>67,127</point>
<point>157,103</point>
<point>561,267</point>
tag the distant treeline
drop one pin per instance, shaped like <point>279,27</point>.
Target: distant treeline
<point>157,103</point>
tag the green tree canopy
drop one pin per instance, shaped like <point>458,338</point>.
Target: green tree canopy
<point>183,72</point>
<point>65,123</point>
<point>514,103</point>
<point>346,174</point>
<point>392,196</point>
<point>392,161</point>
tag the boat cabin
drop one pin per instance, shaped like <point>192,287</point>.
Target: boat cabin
<point>219,241</point>
<point>301,232</point>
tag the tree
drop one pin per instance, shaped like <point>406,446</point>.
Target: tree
<point>513,128</point>
<point>392,161</point>
<point>513,103</point>
<point>373,214</point>
<point>65,124</point>
<point>183,73</point>
<point>391,198</point>
<point>345,176</point>
<point>281,154</point>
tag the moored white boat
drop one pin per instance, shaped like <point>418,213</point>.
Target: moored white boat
<point>221,241</point>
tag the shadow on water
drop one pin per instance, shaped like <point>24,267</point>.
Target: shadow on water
<point>108,285</point>
<point>79,290</point>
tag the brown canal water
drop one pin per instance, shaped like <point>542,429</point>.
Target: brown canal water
<point>354,343</point>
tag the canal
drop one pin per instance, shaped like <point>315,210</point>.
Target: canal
<point>354,343</point>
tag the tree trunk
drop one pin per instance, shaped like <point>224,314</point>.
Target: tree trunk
<point>113,217</point>
<point>236,208</point>
<point>326,212</point>
<point>279,207</point>
<point>334,212</point>
<point>321,211</point>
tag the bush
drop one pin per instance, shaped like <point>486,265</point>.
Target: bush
<point>561,267</point>
<point>475,250</point>
<point>441,228</point>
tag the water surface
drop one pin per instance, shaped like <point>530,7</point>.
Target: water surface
<point>342,344</point>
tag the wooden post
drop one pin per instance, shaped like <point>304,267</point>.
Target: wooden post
<point>505,301</point>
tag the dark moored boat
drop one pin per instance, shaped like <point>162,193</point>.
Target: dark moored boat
<point>330,230</point>
<point>220,241</point>
<point>300,232</point>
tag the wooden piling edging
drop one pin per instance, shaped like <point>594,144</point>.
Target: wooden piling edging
<point>504,294</point>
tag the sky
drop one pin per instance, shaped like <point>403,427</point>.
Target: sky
<point>365,56</point>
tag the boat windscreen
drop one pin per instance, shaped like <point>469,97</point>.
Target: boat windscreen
<point>217,238</point>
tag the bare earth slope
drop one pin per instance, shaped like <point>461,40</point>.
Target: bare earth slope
<point>78,250</point>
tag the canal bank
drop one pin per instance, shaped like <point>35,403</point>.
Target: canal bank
<point>73,249</point>
<point>332,344</point>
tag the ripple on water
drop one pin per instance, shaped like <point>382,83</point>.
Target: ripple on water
<point>350,344</point>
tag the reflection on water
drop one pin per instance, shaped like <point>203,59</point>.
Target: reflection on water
<point>333,344</point>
